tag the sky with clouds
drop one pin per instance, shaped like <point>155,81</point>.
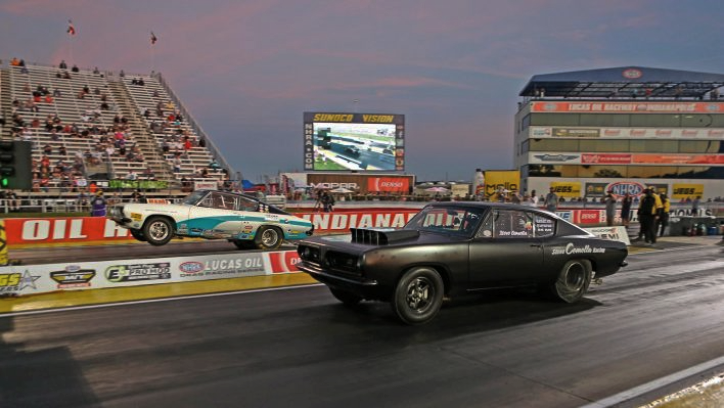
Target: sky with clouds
<point>247,70</point>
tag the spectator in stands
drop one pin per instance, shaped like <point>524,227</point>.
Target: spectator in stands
<point>81,95</point>
<point>82,200</point>
<point>48,98</point>
<point>177,164</point>
<point>15,62</point>
<point>96,71</point>
<point>47,149</point>
<point>122,74</point>
<point>202,142</point>
<point>187,146</point>
<point>66,75</point>
<point>131,175</point>
<point>86,89</point>
<point>155,94</point>
<point>24,70</point>
<point>62,150</point>
<point>165,147</point>
<point>59,75</point>
<point>140,82</point>
<point>214,165</point>
<point>75,68</point>
<point>148,174</point>
<point>63,65</point>
<point>13,202</point>
<point>57,93</point>
<point>138,197</point>
<point>98,205</point>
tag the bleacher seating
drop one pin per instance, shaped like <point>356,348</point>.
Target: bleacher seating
<point>156,107</point>
<point>105,97</point>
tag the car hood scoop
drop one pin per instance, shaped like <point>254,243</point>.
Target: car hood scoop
<point>381,236</point>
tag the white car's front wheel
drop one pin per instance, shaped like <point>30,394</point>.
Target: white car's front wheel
<point>158,231</point>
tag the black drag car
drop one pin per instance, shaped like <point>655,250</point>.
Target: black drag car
<point>453,248</point>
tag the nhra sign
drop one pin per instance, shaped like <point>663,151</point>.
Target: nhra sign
<point>620,188</point>
<point>388,184</point>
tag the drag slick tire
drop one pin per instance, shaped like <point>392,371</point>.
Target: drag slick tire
<point>268,238</point>
<point>418,296</point>
<point>158,231</point>
<point>244,244</point>
<point>138,234</point>
<point>573,281</point>
<point>348,298</point>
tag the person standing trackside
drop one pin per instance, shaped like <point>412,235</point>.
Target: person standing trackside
<point>98,205</point>
<point>648,211</point>
<point>626,209</point>
<point>663,221</point>
<point>551,201</point>
<point>610,201</point>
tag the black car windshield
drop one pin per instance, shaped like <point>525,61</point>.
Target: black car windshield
<point>452,220</point>
<point>195,197</point>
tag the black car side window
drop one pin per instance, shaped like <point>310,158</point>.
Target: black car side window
<point>513,224</point>
<point>486,230</point>
<point>544,226</point>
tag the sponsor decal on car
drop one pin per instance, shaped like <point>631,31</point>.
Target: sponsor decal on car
<point>138,272</point>
<point>571,249</point>
<point>73,277</point>
<point>136,217</point>
<point>16,282</point>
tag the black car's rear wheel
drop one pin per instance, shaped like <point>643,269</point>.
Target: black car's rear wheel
<point>158,231</point>
<point>573,281</point>
<point>418,296</point>
<point>268,238</point>
<point>138,234</point>
<point>348,298</point>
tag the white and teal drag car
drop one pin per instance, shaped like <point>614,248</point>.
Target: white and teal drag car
<point>247,222</point>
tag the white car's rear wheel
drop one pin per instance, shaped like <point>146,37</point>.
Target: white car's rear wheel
<point>268,238</point>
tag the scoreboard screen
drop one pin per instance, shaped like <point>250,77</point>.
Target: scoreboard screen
<point>354,141</point>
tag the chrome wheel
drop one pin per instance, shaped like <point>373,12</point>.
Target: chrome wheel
<point>268,238</point>
<point>158,231</point>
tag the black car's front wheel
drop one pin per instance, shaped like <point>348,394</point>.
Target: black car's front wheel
<point>158,231</point>
<point>573,281</point>
<point>348,298</point>
<point>418,296</point>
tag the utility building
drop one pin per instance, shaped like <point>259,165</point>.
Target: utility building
<point>620,129</point>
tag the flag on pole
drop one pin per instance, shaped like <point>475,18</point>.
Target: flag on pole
<point>71,28</point>
<point>153,38</point>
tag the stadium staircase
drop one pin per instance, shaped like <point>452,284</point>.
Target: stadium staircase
<point>5,104</point>
<point>144,140</point>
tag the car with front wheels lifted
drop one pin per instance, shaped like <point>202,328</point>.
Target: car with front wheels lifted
<point>239,218</point>
<point>454,248</point>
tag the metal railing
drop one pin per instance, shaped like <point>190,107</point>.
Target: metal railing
<point>215,151</point>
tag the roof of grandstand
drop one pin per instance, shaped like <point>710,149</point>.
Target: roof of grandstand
<point>624,81</point>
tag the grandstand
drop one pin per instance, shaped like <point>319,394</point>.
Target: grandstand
<point>98,126</point>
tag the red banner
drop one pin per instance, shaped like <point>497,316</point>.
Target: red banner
<point>629,107</point>
<point>44,231</point>
<point>388,184</point>
<point>605,158</point>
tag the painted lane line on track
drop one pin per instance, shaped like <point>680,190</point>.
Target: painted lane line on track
<point>149,301</point>
<point>655,384</point>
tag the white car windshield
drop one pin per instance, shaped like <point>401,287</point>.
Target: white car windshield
<point>195,197</point>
